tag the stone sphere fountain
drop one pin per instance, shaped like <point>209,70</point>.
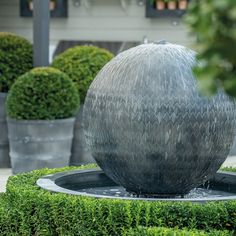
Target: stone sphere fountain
<point>151,131</point>
<point>147,126</point>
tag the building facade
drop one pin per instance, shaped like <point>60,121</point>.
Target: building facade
<point>100,20</point>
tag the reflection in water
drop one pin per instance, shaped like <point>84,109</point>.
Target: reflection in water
<point>119,191</point>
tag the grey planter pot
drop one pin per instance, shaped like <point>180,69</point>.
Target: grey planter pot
<point>147,126</point>
<point>233,149</point>
<point>80,153</point>
<point>40,143</point>
<point>4,144</point>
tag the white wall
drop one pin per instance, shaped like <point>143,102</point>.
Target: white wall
<point>104,20</point>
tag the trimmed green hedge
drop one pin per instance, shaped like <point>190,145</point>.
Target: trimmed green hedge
<point>16,58</point>
<point>42,94</point>
<point>44,213</point>
<point>81,64</point>
<point>153,231</point>
<point>9,218</point>
<point>231,169</point>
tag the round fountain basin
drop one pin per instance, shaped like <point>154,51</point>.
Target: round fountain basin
<point>95,183</point>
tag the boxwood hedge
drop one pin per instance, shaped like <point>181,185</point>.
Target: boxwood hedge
<point>42,93</point>
<point>41,212</point>
<point>160,231</point>
<point>81,64</point>
<point>230,169</point>
<point>16,58</point>
<point>9,218</point>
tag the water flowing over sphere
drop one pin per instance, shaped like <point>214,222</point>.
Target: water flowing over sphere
<point>147,126</point>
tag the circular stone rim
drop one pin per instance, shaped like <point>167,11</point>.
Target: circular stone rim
<point>48,182</point>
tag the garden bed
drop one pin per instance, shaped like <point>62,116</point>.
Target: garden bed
<point>26,209</point>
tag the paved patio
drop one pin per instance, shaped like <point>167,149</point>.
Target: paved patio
<point>5,173</point>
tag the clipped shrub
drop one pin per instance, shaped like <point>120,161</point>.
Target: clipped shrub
<point>42,212</point>
<point>16,58</point>
<point>9,218</point>
<point>43,94</point>
<point>160,231</point>
<point>230,169</point>
<point>81,64</point>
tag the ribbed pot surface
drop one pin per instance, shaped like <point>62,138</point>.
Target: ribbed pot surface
<point>36,144</point>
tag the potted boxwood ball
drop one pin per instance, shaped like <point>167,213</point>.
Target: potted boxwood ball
<point>81,64</point>
<point>41,108</point>
<point>16,58</point>
<point>148,127</point>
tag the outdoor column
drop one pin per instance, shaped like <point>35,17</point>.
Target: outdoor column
<point>41,18</point>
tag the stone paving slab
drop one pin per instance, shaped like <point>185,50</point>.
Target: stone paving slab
<point>5,173</point>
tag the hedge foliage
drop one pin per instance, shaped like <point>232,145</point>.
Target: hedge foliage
<point>230,169</point>
<point>16,58</point>
<point>160,231</point>
<point>82,64</point>
<point>213,24</point>
<point>9,218</point>
<point>44,213</point>
<point>42,94</point>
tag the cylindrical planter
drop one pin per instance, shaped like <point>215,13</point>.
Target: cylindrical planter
<point>4,145</point>
<point>80,153</point>
<point>233,148</point>
<point>36,144</point>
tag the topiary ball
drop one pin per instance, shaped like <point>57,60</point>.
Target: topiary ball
<point>147,126</point>
<point>42,94</point>
<point>81,64</point>
<point>16,58</point>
